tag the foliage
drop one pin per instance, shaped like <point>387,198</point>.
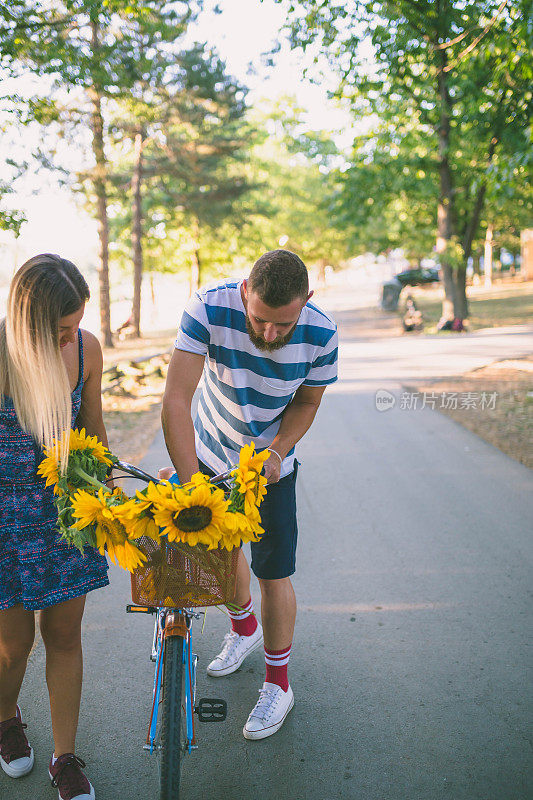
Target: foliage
<point>195,141</point>
<point>448,86</point>
<point>297,170</point>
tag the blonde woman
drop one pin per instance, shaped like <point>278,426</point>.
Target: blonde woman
<point>50,380</point>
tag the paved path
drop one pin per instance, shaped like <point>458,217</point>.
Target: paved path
<point>411,649</point>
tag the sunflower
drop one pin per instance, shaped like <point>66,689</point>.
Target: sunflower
<point>248,479</point>
<point>79,440</point>
<point>239,529</point>
<point>193,517</point>
<point>157,490</point>
<point>252,531</point>
<point>49,468</point>
<point>89,509</point>
<point>234,525</point>
<point>98,512</point>
<point>136,521</point>
<point>199,479</point>
<point>137,514</point>
<point>137,517</point>
<point>129,556</point>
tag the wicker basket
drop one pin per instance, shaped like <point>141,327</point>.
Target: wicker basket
<point>179,576</point>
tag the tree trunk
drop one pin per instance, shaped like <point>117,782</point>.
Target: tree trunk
<point>526,254</point>
<point>461,309</point>
<point>445,206</point>
<point>473,224</point>
<point>194,282</point>
<point>487,257</point>
<point>136,233</point>
<point>99,182</point>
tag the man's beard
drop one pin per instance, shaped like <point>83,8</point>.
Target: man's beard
<point>260,343</point>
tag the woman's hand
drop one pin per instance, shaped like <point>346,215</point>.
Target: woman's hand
<point>165,473</point>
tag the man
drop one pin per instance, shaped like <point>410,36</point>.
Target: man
<point>266,355</point>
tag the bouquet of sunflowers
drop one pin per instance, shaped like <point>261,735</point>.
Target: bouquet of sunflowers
<point>197,517</point>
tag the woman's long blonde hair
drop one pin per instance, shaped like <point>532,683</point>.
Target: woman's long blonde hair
<point>32,371</point>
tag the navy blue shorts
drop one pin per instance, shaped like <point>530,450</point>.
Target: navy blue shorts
<point>274,555</point>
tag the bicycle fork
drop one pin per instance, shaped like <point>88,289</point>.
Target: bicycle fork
<point>173,623</point>
<point>178,623</point>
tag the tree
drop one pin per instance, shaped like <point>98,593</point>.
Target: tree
<point>194,138</point>
<point>137,118</point>
<point>86,45</point>
<point>201,166</point>
<point>453,66</point>
<point>10,219</point>
<point>386,198</point>
<point>297,170</point>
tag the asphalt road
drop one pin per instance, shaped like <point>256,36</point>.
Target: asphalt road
<point>411,654</point>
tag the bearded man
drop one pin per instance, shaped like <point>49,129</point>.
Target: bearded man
<point>266,355</point>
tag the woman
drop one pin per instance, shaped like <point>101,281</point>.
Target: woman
<point>50,380</point>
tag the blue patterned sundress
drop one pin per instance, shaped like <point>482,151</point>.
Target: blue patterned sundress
<point>37,568</point>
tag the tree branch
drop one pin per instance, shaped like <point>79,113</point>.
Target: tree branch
<point>53,23</point>
<point>476,41</point>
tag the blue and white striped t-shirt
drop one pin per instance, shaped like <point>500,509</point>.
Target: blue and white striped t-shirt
<point>245,390</point>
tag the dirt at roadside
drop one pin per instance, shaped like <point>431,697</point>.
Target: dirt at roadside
<point>495,402</point>
<point>132,416</point>
<point>131,425</point>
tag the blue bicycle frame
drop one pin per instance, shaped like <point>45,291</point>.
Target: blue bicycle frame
<point>190,661</point>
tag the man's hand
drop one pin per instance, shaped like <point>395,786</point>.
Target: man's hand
<point>272,467</point>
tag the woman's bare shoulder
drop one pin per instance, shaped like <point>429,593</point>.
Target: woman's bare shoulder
<point>92,351</point>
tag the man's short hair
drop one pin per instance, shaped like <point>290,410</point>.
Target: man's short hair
<point>279,277</point>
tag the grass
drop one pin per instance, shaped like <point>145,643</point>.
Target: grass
<point>502,304</point>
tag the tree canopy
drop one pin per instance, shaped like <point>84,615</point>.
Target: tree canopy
<point>448,84</point>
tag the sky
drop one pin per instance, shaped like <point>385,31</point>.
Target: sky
<point>242,32</point>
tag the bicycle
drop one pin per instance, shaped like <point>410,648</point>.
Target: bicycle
<point>172,727</point>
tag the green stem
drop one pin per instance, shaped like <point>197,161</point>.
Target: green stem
<point>91,479</point>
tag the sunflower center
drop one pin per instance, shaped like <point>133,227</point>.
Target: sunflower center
<point>194,518</point>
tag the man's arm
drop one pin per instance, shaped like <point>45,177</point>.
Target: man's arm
<point>296,421</point>
<point>184,373</point>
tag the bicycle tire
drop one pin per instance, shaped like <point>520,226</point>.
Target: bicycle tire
<point>170,732</point>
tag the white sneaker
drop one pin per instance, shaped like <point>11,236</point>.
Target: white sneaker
<point>270,711</point>
<point>234,651</point>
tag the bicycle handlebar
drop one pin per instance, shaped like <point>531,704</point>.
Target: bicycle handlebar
<point>135,472</point>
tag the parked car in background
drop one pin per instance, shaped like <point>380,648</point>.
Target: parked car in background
<point>418,276</point>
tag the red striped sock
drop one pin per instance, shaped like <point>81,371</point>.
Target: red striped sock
<point>277,662</point>
<point>243,620</point>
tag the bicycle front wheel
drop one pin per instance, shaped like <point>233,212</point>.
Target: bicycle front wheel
<point>170,735</point>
